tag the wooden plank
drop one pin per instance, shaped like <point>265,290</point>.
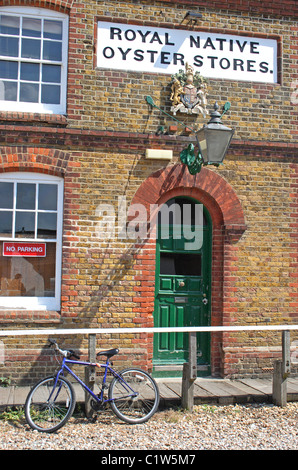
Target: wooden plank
<point>248,389</point>
<point>262,385</point>
<point>200,392</point>
<point>232,389</point>
<point>166,392</point>
<point>175,387</point>
<point>293,382</point>
<point>213,387</point>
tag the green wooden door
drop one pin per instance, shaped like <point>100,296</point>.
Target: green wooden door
<point>182,295</point>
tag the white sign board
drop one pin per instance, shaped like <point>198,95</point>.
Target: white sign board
<point>148,49</point>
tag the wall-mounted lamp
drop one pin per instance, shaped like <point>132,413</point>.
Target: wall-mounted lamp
<point>213,140</point>
<point>192,16</point>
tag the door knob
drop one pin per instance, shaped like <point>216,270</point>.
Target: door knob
<point>181,283</point>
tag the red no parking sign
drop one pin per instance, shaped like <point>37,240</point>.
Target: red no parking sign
<point>24,249</point>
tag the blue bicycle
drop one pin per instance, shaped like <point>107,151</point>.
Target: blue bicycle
<point>133,394</point>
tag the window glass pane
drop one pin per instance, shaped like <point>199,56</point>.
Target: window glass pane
<point>53,29</point>
<point>31,48</point>
<point>9,46</point>
<point>47,225</point>
<point>28,276</point>
<point>50,94</point>
<point>8,90</point>
<point>25,225</point>
<point>51,73</point>
<point>29,92</point>
<point>47,197</point>
<point>6,195</point>
<point>52,50</point>
<point>26,196</point>
<point>180,264</point>
<point>30,72</point>
<point>5,224</point>
<point>9,24</point>
<point>31,27</point>
<point>8,69</point>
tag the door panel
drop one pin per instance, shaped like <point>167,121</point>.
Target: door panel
<point>182,282</point>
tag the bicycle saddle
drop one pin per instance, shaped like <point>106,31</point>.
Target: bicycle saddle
<point>108,353</point>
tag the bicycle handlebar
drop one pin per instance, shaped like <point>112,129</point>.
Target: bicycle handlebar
<point>68,353</point>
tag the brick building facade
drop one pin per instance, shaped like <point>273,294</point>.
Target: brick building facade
<point>77,132</point>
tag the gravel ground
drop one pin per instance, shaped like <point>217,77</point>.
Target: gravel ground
<point>233,427</point>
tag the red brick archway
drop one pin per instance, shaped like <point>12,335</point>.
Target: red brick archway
<point>228,223</point>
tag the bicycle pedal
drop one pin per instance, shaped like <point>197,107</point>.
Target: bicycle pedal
<point>96,406</point>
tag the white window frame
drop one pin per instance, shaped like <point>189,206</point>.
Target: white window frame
<point>29,107</point>
<point>38,303</point>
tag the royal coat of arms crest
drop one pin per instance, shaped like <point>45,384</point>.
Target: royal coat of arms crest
<point>188,92</point>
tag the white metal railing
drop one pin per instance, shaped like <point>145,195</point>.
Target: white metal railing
<point>185,329</point>
<point>281,367</point>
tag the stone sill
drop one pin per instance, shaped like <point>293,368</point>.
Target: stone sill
<point>29,316</point>
<point>35,118</point>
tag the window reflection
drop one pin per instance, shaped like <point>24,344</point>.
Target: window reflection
<point>31,27</point>
<point>9,24</point>
<point>29,92</point>
<point>6,195</point>
<point>28,212</point>
<point>47,225</point>
<point>53,29</point>
<point>47,197</point>
<point>25,225</point>
<point>26,196</point>
<point>30,72</point>
<point>5,223</point>
<point>31,48</point>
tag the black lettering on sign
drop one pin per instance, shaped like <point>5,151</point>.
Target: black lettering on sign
<point>198,60</point>
<point>209,43</point>
<point>178,58</point>
<point>115,32</point>
<point>155,37</point>
<point>130,35</point>
<point>164,59</point>
<point>124,53</point>
<point>108,52</point>
<point>194,42</point>
<point>251,65</point>
<point>264,67</point>
<point>143,35</point>
<point>152,53</point>
<point>139,55</point>
<point>167,41</point>
<point>224,63</point>
<point>253,46</point>
<point>221,43</point>
<point>212,59</point>
<point>238,64</point>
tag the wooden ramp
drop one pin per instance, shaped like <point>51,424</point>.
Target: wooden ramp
<point>207,390</point>
<point>225,391</point>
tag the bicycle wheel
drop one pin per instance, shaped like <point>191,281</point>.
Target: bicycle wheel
<point>48,408</point>
<point>134,395</point>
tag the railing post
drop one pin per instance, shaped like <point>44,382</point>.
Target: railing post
<point>189,374</point>
<point>90,373</point>
<point>281,372</point>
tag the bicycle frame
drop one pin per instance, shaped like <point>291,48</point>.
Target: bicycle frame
<point>99,399</point>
